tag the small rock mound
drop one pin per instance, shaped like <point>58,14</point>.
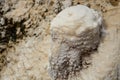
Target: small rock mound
<point>75,33</point>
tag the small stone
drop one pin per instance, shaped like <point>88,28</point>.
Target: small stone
<point>2,21</point>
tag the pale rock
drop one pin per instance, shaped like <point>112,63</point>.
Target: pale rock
<point>75,31</point>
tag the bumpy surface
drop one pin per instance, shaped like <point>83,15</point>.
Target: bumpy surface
<point>75,33</point>
<point>25,48</point>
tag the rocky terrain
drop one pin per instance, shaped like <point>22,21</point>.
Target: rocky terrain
<point>25,39</point>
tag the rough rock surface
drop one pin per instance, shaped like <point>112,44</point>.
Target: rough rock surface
<point>76,33</point>
<point>26,57</point>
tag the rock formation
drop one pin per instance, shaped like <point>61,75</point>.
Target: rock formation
<point>75,33</point>
<point>25,39</point>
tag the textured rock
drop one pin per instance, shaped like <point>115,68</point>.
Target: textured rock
<point>75,32</point>
<point>26,57</point>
